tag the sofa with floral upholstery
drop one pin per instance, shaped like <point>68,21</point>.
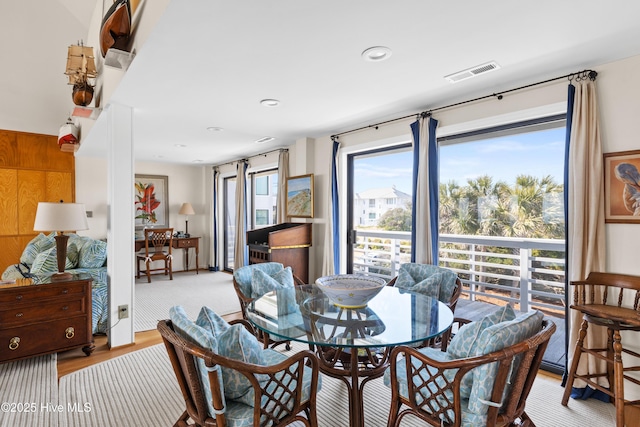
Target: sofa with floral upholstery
<point>84,255</point>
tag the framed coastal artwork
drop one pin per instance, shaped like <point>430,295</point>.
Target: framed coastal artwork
<point>622,187</point>
<point>300,196</point>
<point>151,201</point>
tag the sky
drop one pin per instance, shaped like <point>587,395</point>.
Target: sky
<point>537,153</point>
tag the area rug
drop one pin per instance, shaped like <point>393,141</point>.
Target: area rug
<point>191,291</point>
<point>140,389</point>
<point>29,392</point>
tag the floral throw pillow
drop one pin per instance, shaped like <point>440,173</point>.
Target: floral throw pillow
<point>239,344</point>
<point>282,281</point>
<point>465,342</point>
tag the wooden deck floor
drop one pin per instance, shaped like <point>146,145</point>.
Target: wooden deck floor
<point>555,354</point>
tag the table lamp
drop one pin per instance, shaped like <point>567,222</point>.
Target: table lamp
<point>186,209</point>
<point>60,217</point>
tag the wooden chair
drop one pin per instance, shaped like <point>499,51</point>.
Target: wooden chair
<point>157,247</point>
<point>443,339</point>
<point>592,297</point>
<point>434,386</point>
<point>278,389</point>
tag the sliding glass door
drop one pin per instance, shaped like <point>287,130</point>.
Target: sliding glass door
<point>379,210</point>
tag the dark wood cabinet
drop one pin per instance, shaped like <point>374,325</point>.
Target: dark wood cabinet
<point>287,243</point>
<point>45,318</point>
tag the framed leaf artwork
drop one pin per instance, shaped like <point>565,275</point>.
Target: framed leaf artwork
<point>151,201</point>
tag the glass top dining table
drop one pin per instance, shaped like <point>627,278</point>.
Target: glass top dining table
<point>391,318</point>
<point>351,343</point>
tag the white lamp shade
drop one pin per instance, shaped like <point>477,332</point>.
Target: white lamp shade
<point>186,209</point>
<point>60,217</point>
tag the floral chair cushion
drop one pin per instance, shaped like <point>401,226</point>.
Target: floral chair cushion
<point>431,280</point>
<point>465,341</point>
<point>263,283</point>
<point>212,322</point>
<point>237,343</point>
<point>188,330</point>
<point>496,338</point>
<point>243,275</point>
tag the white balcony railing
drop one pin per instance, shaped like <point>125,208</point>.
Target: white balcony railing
<point>529,273</point>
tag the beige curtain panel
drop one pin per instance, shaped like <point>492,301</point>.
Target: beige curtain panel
<point>586,215</point>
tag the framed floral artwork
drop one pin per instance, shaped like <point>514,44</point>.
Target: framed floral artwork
<point>622,187</point>
<point>151,201</point>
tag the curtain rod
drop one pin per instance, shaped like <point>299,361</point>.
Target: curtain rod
<point>251,157</point>
<point>581,75</point>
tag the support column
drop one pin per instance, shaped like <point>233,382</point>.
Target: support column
<point>120,222</point>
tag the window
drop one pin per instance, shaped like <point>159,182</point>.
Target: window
<point>262,217</point>
<point>262,185</point>
<point>512,185</point>
<point>263,188</point>
<point>501,214</point>
<point>379,175</point>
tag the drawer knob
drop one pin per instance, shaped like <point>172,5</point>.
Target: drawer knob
<point>19,314</point>
<point>18,297</point>
<point>14,343</point>
<point>69,332</point>
<point>66,307</point>
<point>65,291</point>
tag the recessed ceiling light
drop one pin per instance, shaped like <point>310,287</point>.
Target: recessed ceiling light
<point>180,145</point>
<point>214,129</point>
<point>197,161</point>
<point>270,102</point>
<point>264,140</point>
<point>376,54</point>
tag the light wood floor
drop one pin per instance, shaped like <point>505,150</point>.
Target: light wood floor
<point>74,360</point>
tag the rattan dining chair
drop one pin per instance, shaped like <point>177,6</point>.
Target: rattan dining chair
<point>433,389</point>
<point>282,392</point>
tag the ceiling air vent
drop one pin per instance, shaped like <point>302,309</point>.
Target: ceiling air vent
<point>472,72</point>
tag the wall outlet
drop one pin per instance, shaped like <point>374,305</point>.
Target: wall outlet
<point>123,311</point>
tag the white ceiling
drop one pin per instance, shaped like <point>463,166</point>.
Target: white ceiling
<point>209,63</point>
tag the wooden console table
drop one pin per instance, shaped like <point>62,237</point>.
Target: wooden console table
<point>45,318</point>
<point>186,243</point>
<point>179,243</point>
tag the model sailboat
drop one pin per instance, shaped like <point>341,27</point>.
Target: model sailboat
<point>80,68</point>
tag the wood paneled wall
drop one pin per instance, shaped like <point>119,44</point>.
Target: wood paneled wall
<point>32,170</point>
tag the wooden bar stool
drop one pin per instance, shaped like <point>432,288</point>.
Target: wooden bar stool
<point>615,318</point>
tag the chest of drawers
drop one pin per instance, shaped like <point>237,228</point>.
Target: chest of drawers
<point>45,318</point>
